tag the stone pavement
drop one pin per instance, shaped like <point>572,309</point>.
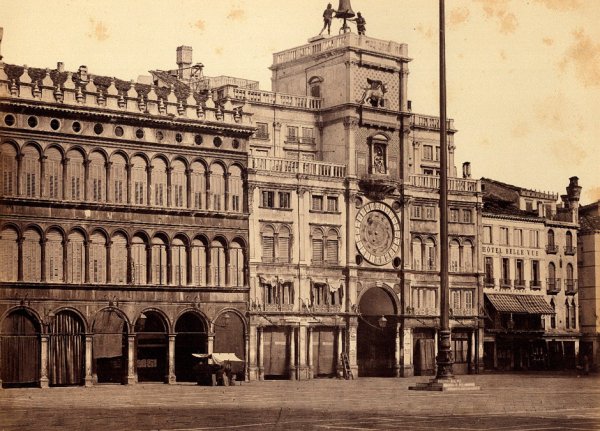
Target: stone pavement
<point>505,402</point>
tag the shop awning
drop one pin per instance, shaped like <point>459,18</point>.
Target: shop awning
<point>519,304</point>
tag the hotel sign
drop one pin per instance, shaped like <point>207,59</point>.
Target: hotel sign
<point>509,251</point>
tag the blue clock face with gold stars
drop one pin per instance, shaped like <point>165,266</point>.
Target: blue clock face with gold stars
<point>377,233</point>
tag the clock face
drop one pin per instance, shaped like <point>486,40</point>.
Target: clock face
<point>377,233</point>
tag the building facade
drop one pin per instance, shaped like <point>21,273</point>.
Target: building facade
<point>588,261</point>
<point>530,277</point>
<point>123,228</point>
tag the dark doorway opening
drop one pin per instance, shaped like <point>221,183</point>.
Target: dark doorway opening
<point>192,337</point>
<point>152,347</point>
<point>110,347</point>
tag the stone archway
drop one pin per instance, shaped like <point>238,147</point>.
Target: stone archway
<point>192,337</point>
<point>230,338</point>
<point>152,347</point>
<point>20,349</point>
<point>110,347</point>
<point>66,350</point>
<point>376,345</point>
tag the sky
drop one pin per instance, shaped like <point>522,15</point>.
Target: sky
<point>523,76</point>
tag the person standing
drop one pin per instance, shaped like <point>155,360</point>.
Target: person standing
<point>360,23</point>
<point>327,18</point>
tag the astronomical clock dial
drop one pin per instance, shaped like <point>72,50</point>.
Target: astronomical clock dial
<point>377,233</point>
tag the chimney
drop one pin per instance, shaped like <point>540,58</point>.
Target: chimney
<point>573,195</point>
<point>466,169</point>
<point>184,62</point>
<point>565,201</point>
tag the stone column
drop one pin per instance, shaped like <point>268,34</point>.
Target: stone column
<point>43,176</point>
<point>352,327</point>
<point>43,243</point>
<point>350,127</point>
<point>65,256</point>
<point>211,338</point>
<point>302,350</point>
<point>108,247</point>
<point>398,351</point>
<point>261,353</point>
<point>408,368</point>
<point>88,361</point>
<point>131,368</point>
<point>247,355</point>
<point>44,381</point>
<point>339,350</point>
<point>20,174</point>
<point>171,371</point>
<point>65,164</point>
<point>148,263</point>
<point>188,189</point>
<point>226,205</point>
<point>252,354</point>
<point>86,258</point>
<point>86,180</point>
<point>169,172</point>
<point>292,346</point>
<point>207,202</point>
<point>128,168</point>
<point>310,352</point>
<point>19,260</point>
<point>149,185</point>
<point>107,194</point>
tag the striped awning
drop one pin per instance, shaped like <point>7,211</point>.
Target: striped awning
<point>520,304</point>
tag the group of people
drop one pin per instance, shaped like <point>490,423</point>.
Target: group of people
<point>328,18</point>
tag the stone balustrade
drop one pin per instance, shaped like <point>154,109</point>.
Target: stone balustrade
<point>268,97</point>
<point>454,184</point>
<point>307,167</point>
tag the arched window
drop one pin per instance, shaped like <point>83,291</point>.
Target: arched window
<point>569,239</point>
<point>75,176</point>
<point>283,244</point>
<point>159,261</point>
<point>573,314</point>
<point>553,315</point>
<point>97,177</point>
<point>567,314</point>
<point>98,258</point>
<point>569,282</point>
<point>30,177</point>
<point>76,258</point>
<point>417,254</point>
<point>198,185</point>
<point>179,264</point>
<point>198,263</point>
<point>118,176</point>
<point>217,186</point>
<point>236,189</point>
<point>551,238</point>
<point>429,257</point>
<point>178,185</point>
<point>454,256</point>
<point>32,256</point>
<point>139,180</point>
<point>268,244</point>
<point>317,245</point>
<point>159,182</point>
<point>8,166</point>
<point>9,254</point>
<point>217,263</point>
<point>54,256</point>
<point>569,271</point>
<point>552,284</point>
<point>118,259</point>
<point>54,174</point>
<point>467,260</point>
<point>236,263</point>
<point>332,247</point>
<point>138,260</point>
<point>315,86</point>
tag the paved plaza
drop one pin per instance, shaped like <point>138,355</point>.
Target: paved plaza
<point>505,402</point>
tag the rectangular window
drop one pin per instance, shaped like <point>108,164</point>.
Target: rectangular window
<point>489,270</point>
<point>535,272</point>
<point>467,216</point>
<point>534,239</point>
<point>437,153</point>
<point>454,215</point>
<point>331,251</point>
<point>429,213</point>
<point>292,134</point>
<point>504,236</point>
<point>235,203</point>
<point>307,135</point>
<point>487,234</point>
<point>217,202</point>
<point>262,130</point>
<point>268,199</point>
<point>197,200</point>
<point>468,299</point>
<point>416,211</point>
<point>505,271</point>
<point>118,191</point>
<point>528,206</point>
<point>520,273</point>
<point>427,152</point>
<point>284,199</point>
<point>317,203</point>
<point>332,204</point>
<point>518,237</point>
<point>268,249</point>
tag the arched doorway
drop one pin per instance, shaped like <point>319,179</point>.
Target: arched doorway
<point>376,342</point>
<point>152,347</point>
<point>192,336</point>
<point>110,347</point>
<point>20,349</point>
<point>229,338</point>
<point>66,349</point>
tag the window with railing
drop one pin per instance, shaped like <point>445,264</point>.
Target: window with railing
<point>551,245</point>
<point>553,282</point>
<point>505,281</point>
<point>535,282</point>
<point>321,294</point>
<point>553,315</point>
<point>569,247</point>
<point>262,131</point>
<point>519,274</point>
<point>489,271</point>
<point>278,293</point>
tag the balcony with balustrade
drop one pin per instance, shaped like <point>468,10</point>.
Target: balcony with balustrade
<point>552,286</point>
<point>520,284</point>
<point>570,250</point>
<point>505,283</point>
<point>231,92</point>
<point>454,184</point>
<point>570,286</point>
<point>292,166</point>
<point>489,281</point>
<point>535,284</point>
<point>551,248</point>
